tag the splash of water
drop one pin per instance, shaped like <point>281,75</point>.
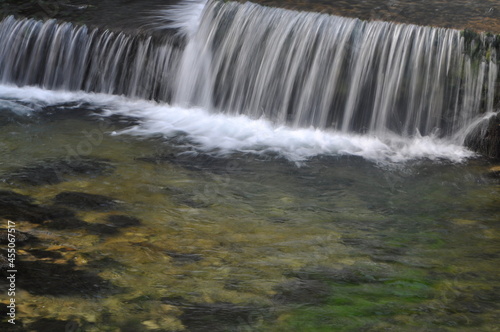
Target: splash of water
<point>221,134</point>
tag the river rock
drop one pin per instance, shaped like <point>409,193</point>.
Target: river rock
<point>85,201</point>
<point>54,171</point>
<point>18,207</point>
<point>122,221</point>
<point>218,316</point>
<point>494,172</point>
<point>485,138</point>
<point>45,278</point>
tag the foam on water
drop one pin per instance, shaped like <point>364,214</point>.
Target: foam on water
<point>224,134</point>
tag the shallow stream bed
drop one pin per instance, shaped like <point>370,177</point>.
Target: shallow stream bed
<point>125,233</point>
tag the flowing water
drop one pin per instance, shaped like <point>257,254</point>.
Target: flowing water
<point>261,170</point>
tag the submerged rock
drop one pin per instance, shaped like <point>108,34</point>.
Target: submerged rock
<point>184,258</point>
<point>66,223</point>
<point>102,229</point>
<point>51,172</point>
<point>123,221</point>
<point>313,285</point>
<point>45,278</point>
<point>22,238</point>
<point>18,207</point>
<point>219,316</point>
<point>85,201</point>
<point>346,275</point>
<point>186,198</point>
<point>494,172</point>
<point>49,254</point>
<point>49,324</point>
<point>113,225</point>
<point>303,291</point>
<point>198,162</point>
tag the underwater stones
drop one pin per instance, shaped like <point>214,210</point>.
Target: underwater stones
<point>187,199</point>
<point>123,221</point>
<point>49,172</point>
<point>494,172</point>
<point>22,238</point>
<point>303,291</point>
<point>17,207</point>
<point>65,223</point>
<point>184,258</point>
<point>476,301</point>
<point>102,229</point>
<point>313,285</point>
<point>345,275</point>
<point>375,247</point>
<point>485,138</point>
<point>218,316</point>
<point>41,254</point>
<point>49,324</point>
<point>13,112</point>
<point>102,263</point>
<point>85,201</point>
<point>113,225</point>
<point>198,162</point>
<point>45,278</point>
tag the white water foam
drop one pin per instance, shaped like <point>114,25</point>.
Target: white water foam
<point>223,134</point>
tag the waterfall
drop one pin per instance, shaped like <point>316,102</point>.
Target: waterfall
<point>67,57</point>
<point>295,68</point>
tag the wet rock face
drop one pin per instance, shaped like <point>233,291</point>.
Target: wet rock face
<point>51,172</point>
<point>485,138</point>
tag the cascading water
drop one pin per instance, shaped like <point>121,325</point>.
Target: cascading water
<point>293,68</point>
<point>309,69</point>
<point>62,56</point>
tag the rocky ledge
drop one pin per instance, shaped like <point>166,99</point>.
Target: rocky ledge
<point>485,138</point>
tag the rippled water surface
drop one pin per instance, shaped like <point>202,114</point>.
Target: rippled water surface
<point>241,242</point>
